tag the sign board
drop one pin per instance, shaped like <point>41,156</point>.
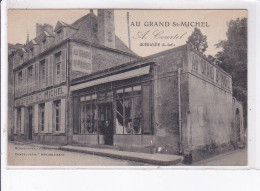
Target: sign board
<point>42,96</point>
<point>81,59</point>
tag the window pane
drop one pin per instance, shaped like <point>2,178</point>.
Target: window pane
<point>137,110</point>
<point>128,124</point>
<point>119,117</point>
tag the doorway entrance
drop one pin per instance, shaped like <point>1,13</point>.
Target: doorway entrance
<point>105,116</point>
<point>30,112</point>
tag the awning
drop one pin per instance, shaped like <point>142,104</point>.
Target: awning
<point>116,77</point>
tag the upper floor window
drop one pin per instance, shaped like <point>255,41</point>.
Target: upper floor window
<point>20,82</point>
<point>30,78</point>
<point>42,73</point>
<point>58,67</point>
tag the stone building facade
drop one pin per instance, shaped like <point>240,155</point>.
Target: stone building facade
<point>79,84</point>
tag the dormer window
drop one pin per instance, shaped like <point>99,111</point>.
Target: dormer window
<point>44,45</point>
<point>59,36</point>
<point>31,52</point>
<point>21,59</point>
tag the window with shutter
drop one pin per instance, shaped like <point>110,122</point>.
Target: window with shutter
<point>15,121</point>
<point>22,120</point>
<point>36,75</point>
<point>42,73</point>
<point>63,116</point>
<point>33,77</point>
<point>47,71</point>
<point>51,70</point>
<point>36,113</point>
<point>63,65</point>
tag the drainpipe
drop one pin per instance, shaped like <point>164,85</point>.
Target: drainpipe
<point>180,117</point>
<point>68,93</point>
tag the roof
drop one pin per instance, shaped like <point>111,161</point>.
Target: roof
<point>87,30</point>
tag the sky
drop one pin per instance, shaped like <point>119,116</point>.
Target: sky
<point>21,22</point>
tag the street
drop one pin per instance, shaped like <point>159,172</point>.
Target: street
<point>28,155</point>
<point>232,158</point>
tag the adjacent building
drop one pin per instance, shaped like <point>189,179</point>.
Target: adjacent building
<point>80,84</point>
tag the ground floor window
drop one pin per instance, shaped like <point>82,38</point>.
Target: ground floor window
<point>57,114</point>
<point>19,120</point>
<point>129,110</point>
<point>41,116</point>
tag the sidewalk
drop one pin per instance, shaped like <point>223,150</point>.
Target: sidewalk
<point>155,159</point>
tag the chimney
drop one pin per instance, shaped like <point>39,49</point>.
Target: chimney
<point>39,29</point>
<point>106,27</point>
<point>48,28</point>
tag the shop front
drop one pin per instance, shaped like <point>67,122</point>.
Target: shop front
<point>114,110</point>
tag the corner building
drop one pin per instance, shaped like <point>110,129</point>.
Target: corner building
<point>79,84</point>
<point>44,66</point>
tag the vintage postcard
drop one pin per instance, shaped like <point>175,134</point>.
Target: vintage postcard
<point>126,87</point>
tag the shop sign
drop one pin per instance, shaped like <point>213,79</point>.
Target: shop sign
<point>42,96</point>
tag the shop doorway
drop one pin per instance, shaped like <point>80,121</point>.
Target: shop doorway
<point>105,116</point>
<point>30,122</point>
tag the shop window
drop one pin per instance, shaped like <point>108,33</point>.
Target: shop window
<point>129,110</point>
<point>19,120</point>
<point>58,67</point>
<point>42,74</point>
<point>57,114</point>
<point>88,114</point>
<point>41,116</point>
<point>88,118</point>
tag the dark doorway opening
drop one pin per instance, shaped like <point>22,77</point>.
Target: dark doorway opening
<point>105,115</point>
<point>237,126</point>
<point>30,112</point>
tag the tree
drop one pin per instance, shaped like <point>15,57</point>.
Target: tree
<point>233,58</point>
<point>198,41</point>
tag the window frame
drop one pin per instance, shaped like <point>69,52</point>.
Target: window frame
<point>42,80</point>
<point>132,97</point>
<point>55,107</point>
<point>42,117</point>
<point>58,63</point>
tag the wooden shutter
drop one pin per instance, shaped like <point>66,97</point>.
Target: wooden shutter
<point>22,120</point>
<point>33,77</point>
<point>146,109</point>
<point>63,116</point>
<point>50,70</point>
<point>50,113</point>
<point>24,81</point>
<point>75,115</point>
<point>36,75</point>
<point>63,65</point>
<point>46,122</point>
<point>16,85</point>
<point>47,72</point>
<point>54,71</point>
<point>36,115</point>
<point>15,121</point>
